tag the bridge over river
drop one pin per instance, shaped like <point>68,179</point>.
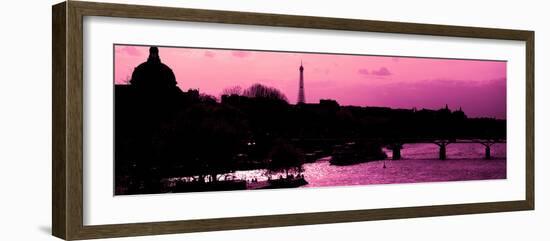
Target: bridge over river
<point>397,144</point>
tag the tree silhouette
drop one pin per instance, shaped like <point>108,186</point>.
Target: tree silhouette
<point>265,92</point>
<point>233,90</point>
<point>285,158</point>
<point>163,132</point>
<point>207,137</point>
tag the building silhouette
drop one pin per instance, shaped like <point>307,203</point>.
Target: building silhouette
<point>143,107</point>
<point>153,75</point>
<point>301,94</point>
<point>163,132</point>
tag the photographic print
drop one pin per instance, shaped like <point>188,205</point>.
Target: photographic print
<point>191,119</point>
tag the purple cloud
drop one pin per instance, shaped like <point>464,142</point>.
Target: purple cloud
<point>381,72</point>
<point>477,98</point>
<point>363,71</point>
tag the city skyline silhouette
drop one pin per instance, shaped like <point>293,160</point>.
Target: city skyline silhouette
<point>476,86</point>
<point>171,140</point>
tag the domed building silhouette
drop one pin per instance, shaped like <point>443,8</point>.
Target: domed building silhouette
<point>143,107</point>
<point>153,75</point>
<point>151,96</point>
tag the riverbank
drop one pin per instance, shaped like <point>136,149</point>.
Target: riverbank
<point>419,164</point>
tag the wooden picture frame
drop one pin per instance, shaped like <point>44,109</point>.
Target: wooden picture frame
<point>67,152</point>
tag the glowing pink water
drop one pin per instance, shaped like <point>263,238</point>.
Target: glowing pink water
<point>419,164</point>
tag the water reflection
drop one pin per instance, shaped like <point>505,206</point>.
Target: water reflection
<point>420,163</point>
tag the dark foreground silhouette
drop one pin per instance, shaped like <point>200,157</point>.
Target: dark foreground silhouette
<point>168,140</point>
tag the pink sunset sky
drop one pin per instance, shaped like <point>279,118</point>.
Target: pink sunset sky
<point>478,86</point>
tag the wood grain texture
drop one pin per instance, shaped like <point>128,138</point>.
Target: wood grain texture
<point>121,230</point>
<point>74,121</point>
<point>530,120</point>
<point>59,192</point>
<point>263,19</point>
<point>67,78</point>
